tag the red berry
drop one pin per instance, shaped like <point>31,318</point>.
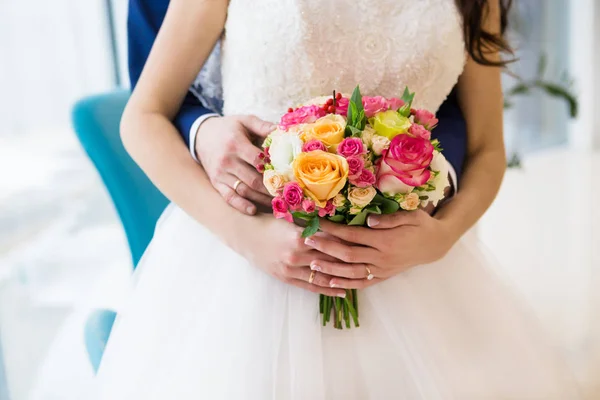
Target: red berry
<point>290,109</point>
<point>338,96</point>
<point>325,107</point>
<point>261,155</point>
<point>329,102</point>
<point>266,151</point>
<point>267,160</point>
<point>260,168</point>
<point>413,111</point>
<point>331,109</point>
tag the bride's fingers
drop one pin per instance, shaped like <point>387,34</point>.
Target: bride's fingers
<point>304,258</point>
<point>305,274</point>
<point>344,270</point>
<point>327,291</point>
<point>343,283</point>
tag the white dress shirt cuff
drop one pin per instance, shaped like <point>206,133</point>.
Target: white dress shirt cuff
<point>194,132</point>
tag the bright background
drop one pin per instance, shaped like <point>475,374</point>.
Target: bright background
<point>62,250</point>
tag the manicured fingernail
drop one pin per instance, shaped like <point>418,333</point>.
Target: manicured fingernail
<point>342,295</point>
<point>372,222</point>
<point>333,284</point>
<point>250,210</point>
<point>309,242</point>
<point>315,267</point>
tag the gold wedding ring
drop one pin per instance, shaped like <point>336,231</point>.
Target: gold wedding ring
<point>236,184</point>
<point>369,274</point>
<point>311,278</point>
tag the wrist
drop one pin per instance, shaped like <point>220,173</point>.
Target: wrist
<point>195,131</point>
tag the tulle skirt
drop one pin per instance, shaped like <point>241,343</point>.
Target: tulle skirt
<point>202,323</point>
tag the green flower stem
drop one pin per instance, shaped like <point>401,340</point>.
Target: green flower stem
<point>321,303</point>
<point>346,314</point>
<point>353,312</point>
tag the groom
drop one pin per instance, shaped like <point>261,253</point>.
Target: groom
<point>207,135</point>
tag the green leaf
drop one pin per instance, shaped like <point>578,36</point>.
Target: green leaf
<point>352,113</point>
<point>311,228</point>
<point>360,219</point>
<point>407,96</point>
<point>361,120</point>
<point>373,209</point>
<point>353,131</point>
<point>389,206</point>
<point>561,92</point>
<point>336,218</point>
<point>303,216</point>
<point>378,199</point>
<point>521,88</point>
<point>356,98</point>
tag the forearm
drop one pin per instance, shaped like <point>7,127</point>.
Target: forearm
<point>480,183</point>
<point>155,145</point>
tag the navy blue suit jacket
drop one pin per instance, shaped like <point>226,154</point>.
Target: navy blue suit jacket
<point>145,19</point>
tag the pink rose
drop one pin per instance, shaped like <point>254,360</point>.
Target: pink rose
<point>404,164</point>
<point>365,179</point>
<point>312,145</point>
<point>302,115</point>
<point>308,206</point>
<point>373,105</point>
<point>426,118</point>
<point>280,209</point>
<point>329,209</point>
<point>417,130</point>
<point>342,106</point>
<point>293,195</point>
<point>355,166</point>
<point>395,103</point>
<point>351,147</point>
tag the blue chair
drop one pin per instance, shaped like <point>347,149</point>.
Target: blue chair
<point>96,122</point>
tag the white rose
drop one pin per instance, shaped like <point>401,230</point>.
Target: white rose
<point>367,136</point>
<point>379,143</point>
<point>361,197</point>
<point>441,181</point>
<point>273,181</point>
<point>282,152</point>
<point>339,200</point>
<point>410,202</point>
<point>355,210</point>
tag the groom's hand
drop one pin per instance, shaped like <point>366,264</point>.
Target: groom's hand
<point>226,148</point>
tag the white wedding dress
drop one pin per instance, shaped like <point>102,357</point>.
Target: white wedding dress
<point>202,323</point>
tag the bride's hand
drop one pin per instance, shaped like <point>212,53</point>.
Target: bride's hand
<point>226,148</point>
<point>395,243</point>
<point>277,247</point>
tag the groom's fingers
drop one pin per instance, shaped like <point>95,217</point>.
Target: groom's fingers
<point>257,126</point>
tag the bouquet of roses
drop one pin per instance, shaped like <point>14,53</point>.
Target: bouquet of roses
<point>345,158</point>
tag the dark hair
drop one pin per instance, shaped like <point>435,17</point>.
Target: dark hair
<point>480,42</point>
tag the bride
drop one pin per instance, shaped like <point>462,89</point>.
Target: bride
<point>223,307</point>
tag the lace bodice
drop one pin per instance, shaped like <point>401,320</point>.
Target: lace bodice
<point>279,53</point>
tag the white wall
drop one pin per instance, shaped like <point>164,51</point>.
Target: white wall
<point>585,64</point>
<point>51,54</point>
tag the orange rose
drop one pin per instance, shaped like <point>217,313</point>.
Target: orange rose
<point>320,174</point>
<point>328,129</point>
